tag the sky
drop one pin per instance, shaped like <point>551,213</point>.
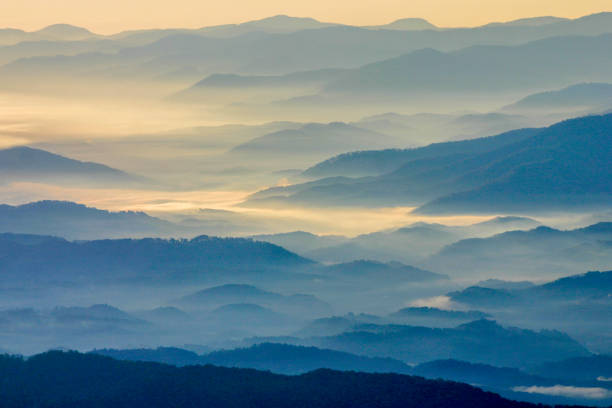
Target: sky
<point>110,16</point>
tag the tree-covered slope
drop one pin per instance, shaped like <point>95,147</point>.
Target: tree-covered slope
<point>66,380</point>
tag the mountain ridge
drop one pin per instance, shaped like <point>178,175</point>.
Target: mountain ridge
<point>151,385</point>
<point>563,166</point>
<point>26,163</point>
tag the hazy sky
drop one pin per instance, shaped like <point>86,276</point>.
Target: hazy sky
<point>107,16</point>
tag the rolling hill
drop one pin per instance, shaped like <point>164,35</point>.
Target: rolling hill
<point>146,261</point>
<point>373,162</point>
<point>54,32</point>
<point>520,254</point>
<point>579,305</point>
<point>480,341</point>
<point>274,24</point>
<point>563,166</point>
<point>287,359</point>
<point>27,164</point>
<point>311,142</point>
<point>300,240</point>
<point>580,96</point>
<point>591,286</point>
<point>483,69</point>
<point>432,317</point>
<point>296,305</point>
<point>387,272</point>
<point>76,221</point>
<point>410,244</point>
<point>32,330</point>
<point>278,358</point>
<point>406,24</point>
<point>593,368</point>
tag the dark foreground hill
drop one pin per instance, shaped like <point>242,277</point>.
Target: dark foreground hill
<point>58,379</point>
<point>574,381</point>
<point>289,359</point>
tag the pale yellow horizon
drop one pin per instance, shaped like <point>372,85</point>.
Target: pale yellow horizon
<point>112,16</point>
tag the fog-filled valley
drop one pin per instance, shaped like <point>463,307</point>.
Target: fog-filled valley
<point>289,212</point>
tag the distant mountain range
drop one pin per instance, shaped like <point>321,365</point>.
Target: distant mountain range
<point>216,85</point>
<point>101,313</point>
<point>278,358</point>
<point>270,151</point>
<point>383,173</point>
<point>311,142</point>
<point>412,316</point>
<point>480,68</point>
<point>408,24</point>
<point>586,96</point>
<point>331,326</point>
<point>76,221</point>
<point>287,359</point>
<point>274,24</point>
<point>282,45</point>
<point>426,128</point>
<point>90,319</point>
<point>37,46</point>
<point>300,240</point>
<point>55,32</point>
<point>361,270</point>
<point>374,163</point>
<point>286,24</point>
<point>424,73</point>
<point>298,305</point>
<point>481,341</point>
<point>579,304</point>
<point>250,317</point>
<point>559,167</point>
<point>35,165</point>
<point>31,330</point>
<point>434,250</point>
<point>596,368</point>
<point>411,244</point>
<point>520,254</point>
<point>432,317</point>
<point>592,286</point>
<point>248,156</point>
<point>146,261</point>
<point>231,293</point>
